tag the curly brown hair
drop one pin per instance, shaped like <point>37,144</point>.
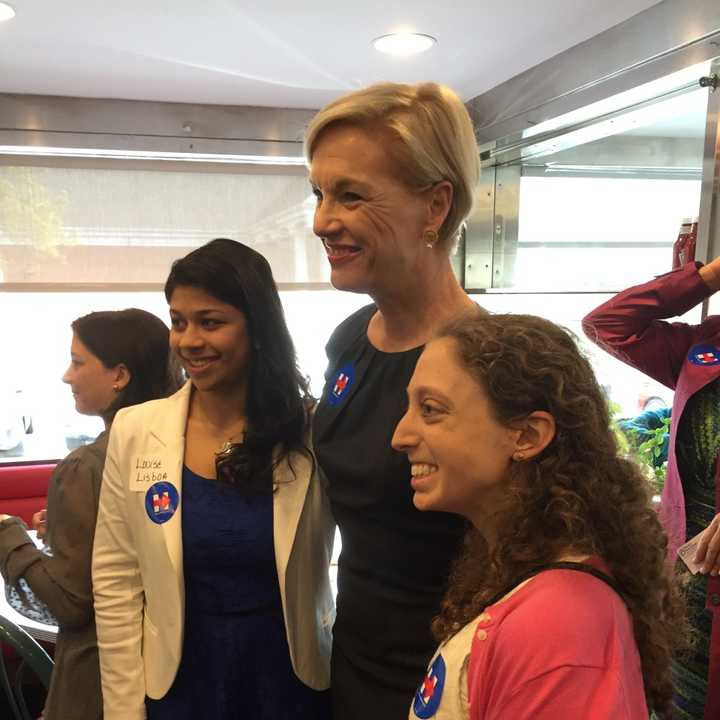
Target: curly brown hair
<point>579,495</point>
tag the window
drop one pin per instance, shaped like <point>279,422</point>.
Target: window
<point>37,334</point>
<point>592,201</point>
<point>629,391</point>
<point>61,225</point>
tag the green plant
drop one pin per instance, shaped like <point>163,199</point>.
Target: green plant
<point>646,447</point>
<point>31,213</point>
<point>651,450</point>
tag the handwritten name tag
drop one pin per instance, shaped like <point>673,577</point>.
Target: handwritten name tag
<point>146,471</point>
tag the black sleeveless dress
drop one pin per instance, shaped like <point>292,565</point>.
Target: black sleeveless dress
<point>395,560</point>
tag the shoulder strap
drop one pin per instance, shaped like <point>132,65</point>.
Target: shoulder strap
<point>560,565</point>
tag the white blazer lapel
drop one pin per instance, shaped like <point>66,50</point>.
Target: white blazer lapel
<point>170,431</point>
<point>288,503</point>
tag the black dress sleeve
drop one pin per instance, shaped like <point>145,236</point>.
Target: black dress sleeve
<point>349,330</point>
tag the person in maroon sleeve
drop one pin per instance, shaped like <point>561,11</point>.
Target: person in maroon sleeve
<point>633,327</point>
<point>562,606</point>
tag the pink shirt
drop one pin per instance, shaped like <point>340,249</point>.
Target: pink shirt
<point>560,648</point>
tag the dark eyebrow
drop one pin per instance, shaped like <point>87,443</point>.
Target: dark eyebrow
<point>199,313</point>
<point>434,392</point>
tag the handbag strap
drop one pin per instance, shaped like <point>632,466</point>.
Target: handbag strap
<point>560,565</point>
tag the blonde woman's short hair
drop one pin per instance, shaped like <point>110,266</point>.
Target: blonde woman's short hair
<point>433,134</point>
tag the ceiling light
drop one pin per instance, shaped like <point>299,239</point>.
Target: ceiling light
<point>403,43</point>
<point>6,12</point>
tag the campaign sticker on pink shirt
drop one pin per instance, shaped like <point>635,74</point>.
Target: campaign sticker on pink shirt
<point>429,694</point>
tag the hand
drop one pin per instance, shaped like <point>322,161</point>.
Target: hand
<point>710,273</point>
<point>39,523</point>
<point>708,551</point>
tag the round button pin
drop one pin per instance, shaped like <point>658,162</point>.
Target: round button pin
<point>429,694</point>
<point>161,502</point>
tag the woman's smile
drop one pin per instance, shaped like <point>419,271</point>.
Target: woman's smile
<point>198,366</point>
<point>340,254</point>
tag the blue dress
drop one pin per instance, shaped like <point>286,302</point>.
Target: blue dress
<point>235,661</point>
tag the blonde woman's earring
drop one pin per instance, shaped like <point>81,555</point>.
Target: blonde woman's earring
<point>430,237</point>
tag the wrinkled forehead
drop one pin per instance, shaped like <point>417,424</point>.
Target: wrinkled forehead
<point>361,152</point>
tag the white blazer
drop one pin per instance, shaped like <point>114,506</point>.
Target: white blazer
<point>138,564</point>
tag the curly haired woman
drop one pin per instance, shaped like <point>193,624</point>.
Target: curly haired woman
<point>561,606</point>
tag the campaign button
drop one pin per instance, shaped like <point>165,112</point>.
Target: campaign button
<point>429,694</point>
<point>340,385</point>
<point>161,502</point>
<point>704,355</point>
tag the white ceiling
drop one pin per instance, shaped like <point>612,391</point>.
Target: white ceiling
<point>281,53</point>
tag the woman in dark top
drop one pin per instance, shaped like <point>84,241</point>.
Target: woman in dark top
<point>118,358</point>
<point>393,168</point>
<point>214,538</point>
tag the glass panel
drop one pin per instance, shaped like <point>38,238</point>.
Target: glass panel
<point>629,390</point>
<point>70,225</point>
<point>596,233</point>
<point>36,327</point>
<point>600,207</point>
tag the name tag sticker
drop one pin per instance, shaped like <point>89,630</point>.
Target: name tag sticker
<point>146,471</point>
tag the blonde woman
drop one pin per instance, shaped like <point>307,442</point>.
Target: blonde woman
<point>393,168</point>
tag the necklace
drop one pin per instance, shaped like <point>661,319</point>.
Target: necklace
<point>225,450</point>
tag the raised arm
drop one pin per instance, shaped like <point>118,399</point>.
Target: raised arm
<point>119,597</point>
<point>632,325</point>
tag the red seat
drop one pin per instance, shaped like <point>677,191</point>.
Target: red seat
<point>23,491</point>
<point>23,488</point>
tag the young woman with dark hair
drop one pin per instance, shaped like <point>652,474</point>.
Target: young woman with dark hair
<point>561,607</point>
<point>214,537</point>
<point>135,342</point>
<point>118,358</point>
